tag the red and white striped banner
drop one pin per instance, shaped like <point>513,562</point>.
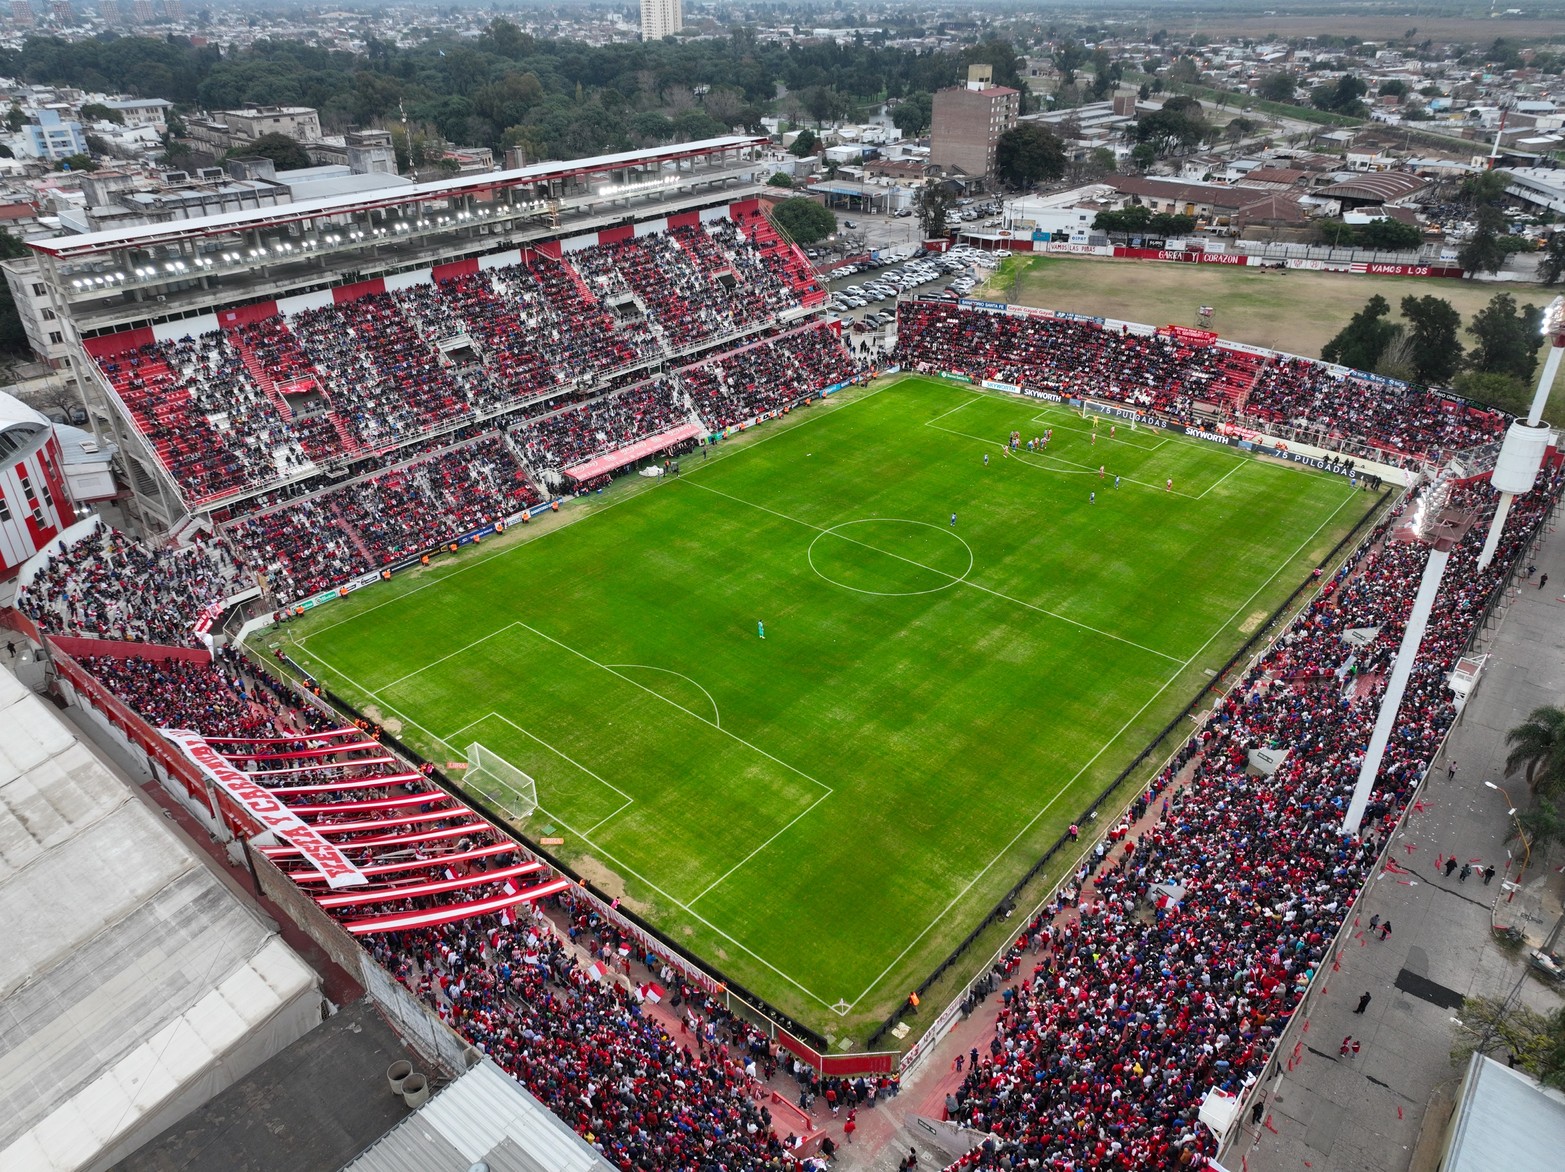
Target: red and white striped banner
<point>267,810</point>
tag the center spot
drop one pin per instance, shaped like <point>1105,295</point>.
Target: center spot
<point>891,556</point>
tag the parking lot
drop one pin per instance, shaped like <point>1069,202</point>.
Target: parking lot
<point>866,293</point>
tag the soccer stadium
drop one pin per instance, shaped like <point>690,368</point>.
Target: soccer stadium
<point>680,725</point>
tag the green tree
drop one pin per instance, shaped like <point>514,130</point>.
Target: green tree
<point>76,163</point>
<point>1029,153</point>
<point>1361,342</point>
<point>1143,155</point>
<point>912,115</point>
<point>934,209</point>
<point>1507,338</point>
<point>1128,222</point>
<point>1069,56</point>
<point>1536,1039</point>
<point>1551,265</point>
<point>98,112</point>
<point>1494,390</point>
<point>1538,750</point>
<point>1392,88</point>
<point>1166,224</point>
<point>1482,252</point>
<point>285,152</point>
<point>805,145</point>
<point>1433,325</point>
<point>1341,96</point>
<point>1179,125</point>
<point>1277,87</point>
<point>804,220</point>
<point>781,179</point>
<point>1388,235</point>
<point>1483,188</point>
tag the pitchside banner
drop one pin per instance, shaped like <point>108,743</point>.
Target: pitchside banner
<point>267,810</point>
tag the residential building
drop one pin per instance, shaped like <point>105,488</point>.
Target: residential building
<point>661,18</point>
<point>151,112</point>
<point>967,122</point>
<point>228,129</point>
<point>45,332</point>
<point>22,13</point>
<point>52,138</point>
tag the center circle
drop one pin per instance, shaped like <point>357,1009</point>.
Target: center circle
<point>890,557</point>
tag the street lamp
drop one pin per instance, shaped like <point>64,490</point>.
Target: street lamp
<point>1521,833</point>
<point>1440,529</point>
<point>1527,441</point>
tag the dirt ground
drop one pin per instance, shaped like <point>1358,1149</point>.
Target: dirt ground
<point>1283,309</point>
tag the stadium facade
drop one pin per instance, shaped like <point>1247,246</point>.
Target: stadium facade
<point>116,291</point>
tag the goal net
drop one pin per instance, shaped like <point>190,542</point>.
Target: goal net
<point>500,781</point>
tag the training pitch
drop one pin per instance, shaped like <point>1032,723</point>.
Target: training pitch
<point>825,812</point>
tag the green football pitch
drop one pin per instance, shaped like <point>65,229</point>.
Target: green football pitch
<point>957,656</point>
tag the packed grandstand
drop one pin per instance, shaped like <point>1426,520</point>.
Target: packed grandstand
<point>347,439</point>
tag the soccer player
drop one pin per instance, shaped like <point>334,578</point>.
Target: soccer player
<point>1168,485</point>
<point>986,459</point>
<point>953,520</point>
<point>1092,498</point>
<point>760,629</point>
<point>1101,467</point>
<point>1116,482</point>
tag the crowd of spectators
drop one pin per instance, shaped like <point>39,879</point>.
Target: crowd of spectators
<point>1070,358</point>
<point>768,376</point>
<point>1182,967</point>
<point>540,995</point>
<point>1404,419</point>
<point>1168,375</point>
<point>107,585</point>
<point>320,541</point>
<point>236,409</point>
<point>579,433</point>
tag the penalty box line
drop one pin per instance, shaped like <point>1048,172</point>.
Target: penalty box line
<point>1221,627</point>
<point>619,863</point>
<point>629,801</point>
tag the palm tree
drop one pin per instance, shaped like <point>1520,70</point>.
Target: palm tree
<point>1538,744</point>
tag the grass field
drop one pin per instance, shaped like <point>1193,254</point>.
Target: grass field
<point>824,813</point>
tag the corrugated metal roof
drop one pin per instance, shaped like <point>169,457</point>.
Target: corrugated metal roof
<point>485,1116</point>
<point>1505,1120</point>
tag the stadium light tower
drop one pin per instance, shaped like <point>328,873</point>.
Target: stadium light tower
<point>1442,530</point>
<point>1521,455</point>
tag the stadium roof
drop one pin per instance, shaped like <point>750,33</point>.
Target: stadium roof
<point>134,984</point>
<point>484,1118</point>
<point>151,234</point>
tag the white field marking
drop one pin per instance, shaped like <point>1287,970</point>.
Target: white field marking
<point>953,579</point>
<point>434,662</point>
<point>437,579</point>
<point>775,432</point>
<point>672,704</point>
<point>717,717</point>
<point>1086,469</point>
<point>620,863</point>
<point>382,704</point>
<point>931,569</point>
<point>725,875</point>
<point>1165,686</point>
<point>1050,417</point>
<point>629,801</point>
<point>975,396</point>
<point>1240,464</point>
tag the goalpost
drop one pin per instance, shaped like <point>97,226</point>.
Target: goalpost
<point>496,778</point>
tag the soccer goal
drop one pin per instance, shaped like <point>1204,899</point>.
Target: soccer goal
<point>500,781</point>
